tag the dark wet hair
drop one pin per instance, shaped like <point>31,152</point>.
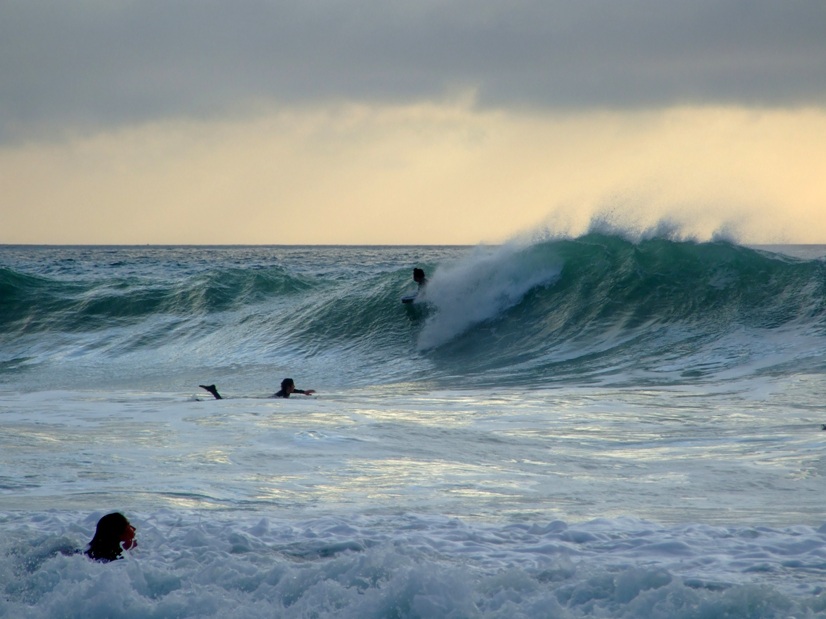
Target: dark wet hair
<point>418,273</point>
<point>287,382</point>
<point>105,545</point>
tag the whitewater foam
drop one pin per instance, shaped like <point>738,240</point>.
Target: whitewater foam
<point>481,286</point>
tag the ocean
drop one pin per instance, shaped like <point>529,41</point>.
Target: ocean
<point>601,426</point>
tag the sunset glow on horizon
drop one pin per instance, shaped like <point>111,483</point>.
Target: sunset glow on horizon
<point>461,152</point>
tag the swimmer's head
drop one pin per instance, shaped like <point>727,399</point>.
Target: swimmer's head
<point>113,534</point>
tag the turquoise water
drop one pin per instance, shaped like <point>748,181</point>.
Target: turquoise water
<point>563,428</point>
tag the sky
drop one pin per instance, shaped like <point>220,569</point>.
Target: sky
<point>427,122</point>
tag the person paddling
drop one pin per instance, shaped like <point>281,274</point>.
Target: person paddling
<point>287,388</point>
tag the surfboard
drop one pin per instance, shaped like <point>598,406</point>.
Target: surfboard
<point>409,298</point>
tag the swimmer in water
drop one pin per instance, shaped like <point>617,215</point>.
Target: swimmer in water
<point>287,388</point>
<point>113,535</point>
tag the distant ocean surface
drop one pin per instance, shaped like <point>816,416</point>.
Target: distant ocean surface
<point>580,427</point>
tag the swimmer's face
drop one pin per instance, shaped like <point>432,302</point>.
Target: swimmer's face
<point>127,540</point>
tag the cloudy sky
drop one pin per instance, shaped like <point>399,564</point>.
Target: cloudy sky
<point>380,122</point>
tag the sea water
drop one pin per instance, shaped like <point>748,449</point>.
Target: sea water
<point>600,426</point>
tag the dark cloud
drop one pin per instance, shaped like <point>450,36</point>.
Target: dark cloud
<point>96,62</point>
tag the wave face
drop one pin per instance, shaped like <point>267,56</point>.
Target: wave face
<point>598,309</point>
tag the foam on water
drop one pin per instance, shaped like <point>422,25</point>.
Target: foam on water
<point>412,566</point>
<point>608,429</point>
<point>499,463</point>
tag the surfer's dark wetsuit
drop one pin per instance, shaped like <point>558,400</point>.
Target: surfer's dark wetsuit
<point>287,388</point>
<point>419,277</point>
